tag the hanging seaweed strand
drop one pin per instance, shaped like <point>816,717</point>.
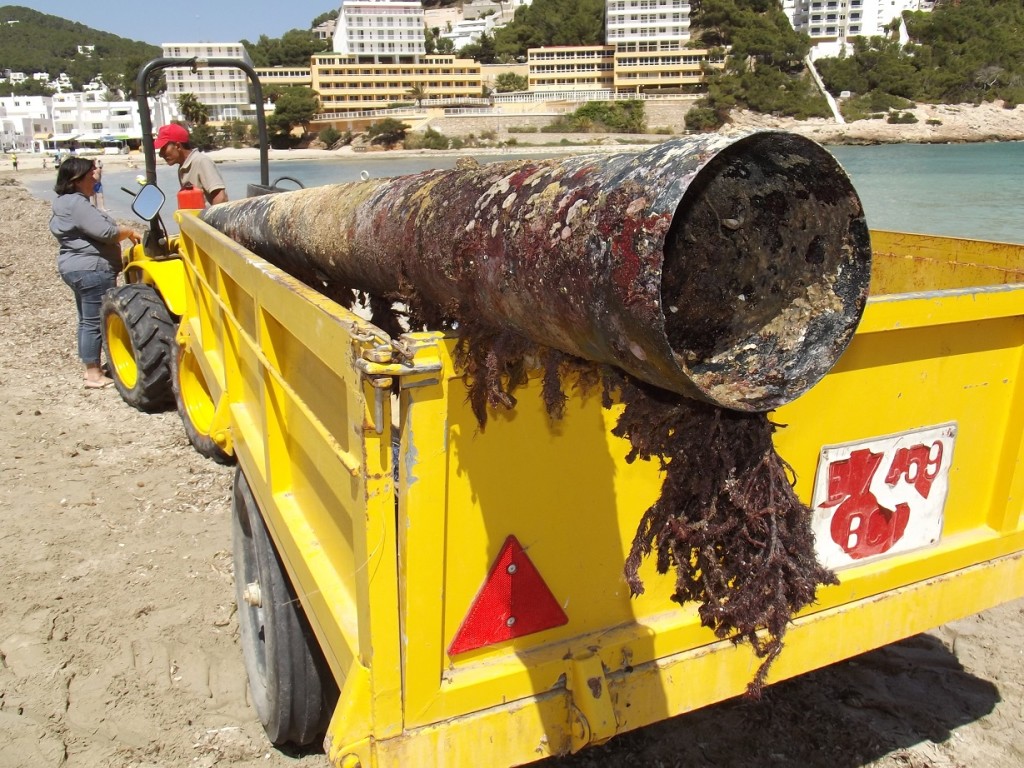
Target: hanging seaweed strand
<point>727,520</point>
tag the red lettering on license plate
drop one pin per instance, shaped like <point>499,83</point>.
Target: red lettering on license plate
<point>881,496</point>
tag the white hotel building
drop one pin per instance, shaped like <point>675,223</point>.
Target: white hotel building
<point>392,30</point>
<point>225,90</point>
<point>832,23</point>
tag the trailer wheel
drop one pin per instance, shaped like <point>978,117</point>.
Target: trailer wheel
<point>137,334</point>
<point>195,403</point>
<point>292,690</point>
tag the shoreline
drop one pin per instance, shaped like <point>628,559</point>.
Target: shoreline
<point>936,124</point>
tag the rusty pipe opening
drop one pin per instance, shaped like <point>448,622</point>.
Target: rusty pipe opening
<point>766,266</point>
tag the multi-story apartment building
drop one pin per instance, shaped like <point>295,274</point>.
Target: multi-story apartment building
<point>224,90</point>
<point>650,38</point>
<point>388,28</point>
<point>646,52</point>
<point>380,58</point>
<point>469,31</point>
<point>571,67</point>
<point>285,77</point>
<point>641,26</point>
<point>87,118</point>
<point>831,24</point>
<point>348,83</point>
<point>24,120</point>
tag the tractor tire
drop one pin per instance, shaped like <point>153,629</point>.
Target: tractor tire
<point>195,403</point>
<point>137,334</point>
<point>292,690</point>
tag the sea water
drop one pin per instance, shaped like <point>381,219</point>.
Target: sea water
<point>960,190</point>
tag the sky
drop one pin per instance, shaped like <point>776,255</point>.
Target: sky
<point>187,21</point>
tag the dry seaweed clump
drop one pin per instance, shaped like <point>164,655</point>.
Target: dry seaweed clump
<point>727,520</point>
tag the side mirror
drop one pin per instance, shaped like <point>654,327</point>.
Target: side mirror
<point>148,202</point>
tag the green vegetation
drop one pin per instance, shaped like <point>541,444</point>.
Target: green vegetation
<point>764,70</point>
<point>193,110</point>
<point>329,136</point>
<point>873,104</point>
<point>417,91</point>
<point>324,17</point>
<point>292,49</point>
<point>429,139</point>
<point>388,131</point>
<point>551,22</point>
<point>602,117</point>
<point>508,82</point>
<point>482,50</point>
<point>37,42</point>
<point>293,107</point>
<point>965,52</point>
<point>203,137</point>
<point>901,118</point>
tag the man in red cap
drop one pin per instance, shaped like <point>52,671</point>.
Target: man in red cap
<point>195,168</point>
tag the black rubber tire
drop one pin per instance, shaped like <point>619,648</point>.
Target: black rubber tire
<point>292,689</point>
<point>195,405</point>
<point>137,334</point>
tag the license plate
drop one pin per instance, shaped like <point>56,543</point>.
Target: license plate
<point>881,496</point>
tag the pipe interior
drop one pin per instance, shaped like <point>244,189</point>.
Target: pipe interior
<point>768,238</point>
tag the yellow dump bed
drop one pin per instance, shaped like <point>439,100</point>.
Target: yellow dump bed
<point>466,586</point>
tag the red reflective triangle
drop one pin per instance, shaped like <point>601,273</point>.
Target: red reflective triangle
<point>514,601</point>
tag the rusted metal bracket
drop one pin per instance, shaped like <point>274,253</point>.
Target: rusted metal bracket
<point>380,367</point>
<point>592,714</point>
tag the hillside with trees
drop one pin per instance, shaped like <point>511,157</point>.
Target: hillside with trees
<point>764,69</point>
<point>37,42</point>
<point>967,51</point>
<point>292,49</point>
<point>551,22</point>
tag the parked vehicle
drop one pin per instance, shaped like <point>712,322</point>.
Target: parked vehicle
<point>140,316</point>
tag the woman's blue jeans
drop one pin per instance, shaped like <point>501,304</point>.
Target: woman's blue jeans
<point>89,287</point>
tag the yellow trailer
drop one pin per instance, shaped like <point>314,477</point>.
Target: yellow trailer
<point>460,593</point>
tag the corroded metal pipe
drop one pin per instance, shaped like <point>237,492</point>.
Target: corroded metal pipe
<point>731,269</point>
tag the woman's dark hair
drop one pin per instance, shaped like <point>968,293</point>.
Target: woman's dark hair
<point>70,171</point>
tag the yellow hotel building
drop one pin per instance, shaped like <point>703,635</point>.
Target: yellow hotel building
<point>352,83</point>
<point>620,68</point>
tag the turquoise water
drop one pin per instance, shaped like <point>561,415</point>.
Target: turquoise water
<point>961,190</point>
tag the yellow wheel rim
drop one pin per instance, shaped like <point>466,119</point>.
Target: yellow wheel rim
<point>120,351</point>
<point>196,399</point>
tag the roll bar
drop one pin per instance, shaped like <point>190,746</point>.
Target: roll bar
<point>194,63</point>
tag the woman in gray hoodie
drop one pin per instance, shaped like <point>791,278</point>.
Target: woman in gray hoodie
<point>89,256</point>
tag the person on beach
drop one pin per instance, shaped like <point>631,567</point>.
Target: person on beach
<point>14,160</point>
<point>88,256</point>
<point>97,190</point>
<point>194,167</point>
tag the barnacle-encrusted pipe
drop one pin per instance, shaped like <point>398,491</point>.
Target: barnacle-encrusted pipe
<point>730,269</point>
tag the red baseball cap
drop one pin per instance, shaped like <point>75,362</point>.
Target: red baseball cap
<point>171,132</point>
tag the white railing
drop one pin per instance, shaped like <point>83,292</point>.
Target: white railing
<point>483,106</point>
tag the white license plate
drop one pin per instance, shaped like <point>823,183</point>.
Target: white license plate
<point>881,496</point>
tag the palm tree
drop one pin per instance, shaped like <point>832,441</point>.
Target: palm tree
<point>193,110</point>
<point>417,91</point>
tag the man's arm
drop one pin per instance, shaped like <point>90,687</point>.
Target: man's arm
<point>210,180</point>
